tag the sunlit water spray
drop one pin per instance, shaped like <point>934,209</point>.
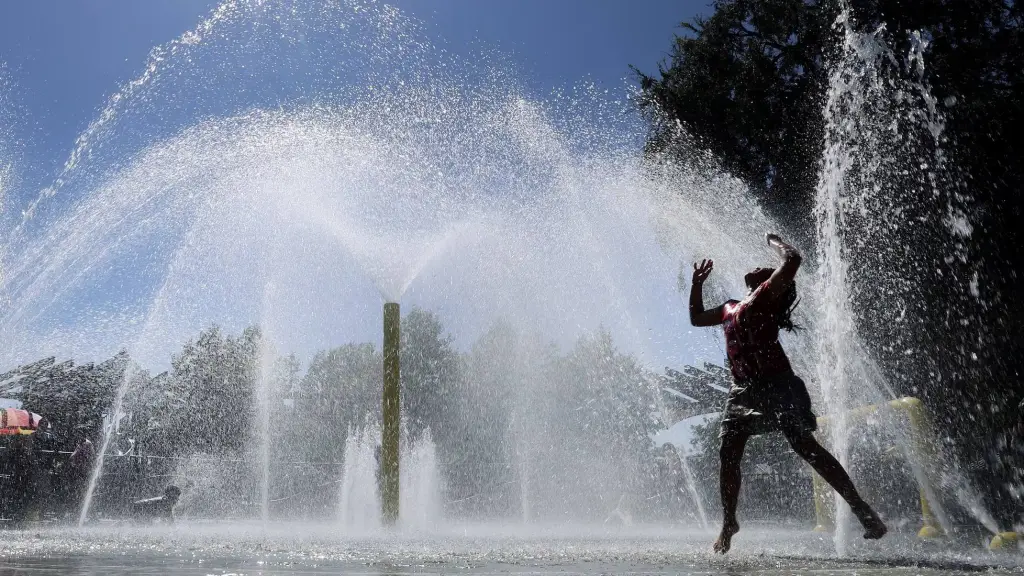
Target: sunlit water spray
<point>880,128</point>
<point>294,165</point>
<point>420,508</point>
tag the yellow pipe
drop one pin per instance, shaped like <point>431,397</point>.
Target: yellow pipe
<point>1003,540</point>
<point>391,415</point>
<point>822,511</point>
<point>920,431</point>
<point>923,451</point>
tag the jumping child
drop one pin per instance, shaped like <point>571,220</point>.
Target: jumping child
<point>766,396</point>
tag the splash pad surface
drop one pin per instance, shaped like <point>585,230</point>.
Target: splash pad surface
<point>309,548</point>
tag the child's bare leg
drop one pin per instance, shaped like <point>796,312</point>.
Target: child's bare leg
<point>826,465</point>
<point>730,478</point>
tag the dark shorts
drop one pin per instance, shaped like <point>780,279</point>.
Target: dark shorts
<point>777,404</point>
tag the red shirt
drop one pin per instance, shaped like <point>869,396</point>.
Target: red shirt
<point>752,337</point>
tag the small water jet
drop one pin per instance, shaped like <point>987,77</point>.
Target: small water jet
<point>361,509</point>
<point>360,496</point>
<point>97,468</point>
<point>523,466</point>
<point>265,411</point>
<point>691,488</point>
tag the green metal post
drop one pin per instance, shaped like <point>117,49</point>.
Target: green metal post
<point>391,409</point>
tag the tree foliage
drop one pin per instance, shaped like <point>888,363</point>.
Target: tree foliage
<point>747,84</point>
<point>516,424</point>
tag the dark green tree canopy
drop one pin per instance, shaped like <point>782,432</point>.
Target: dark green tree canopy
<point>748,82</point>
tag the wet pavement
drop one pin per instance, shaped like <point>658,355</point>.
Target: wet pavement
<point>301,548</point>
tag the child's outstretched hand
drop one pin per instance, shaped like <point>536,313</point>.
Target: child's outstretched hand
<point>701,272</point>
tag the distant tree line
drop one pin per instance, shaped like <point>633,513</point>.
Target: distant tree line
<point>574,428</point>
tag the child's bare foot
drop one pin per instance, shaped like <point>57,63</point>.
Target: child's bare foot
<point>724,541</point>
<point>874,528</point>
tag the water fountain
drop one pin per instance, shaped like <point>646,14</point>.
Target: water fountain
<point>384,169</point>
<point>875,121</point>
<point>362,508</point>
<point>359,488</point>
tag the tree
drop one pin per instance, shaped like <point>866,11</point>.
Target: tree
<point>597,410</point>
<point>74,399</point>
<point>341,389</point>
<point>747,84</point>
<point>212,400</point>
<point>502,373</point>
<point>433,392</point>
<point>430,376</point>
<point>339,392</point>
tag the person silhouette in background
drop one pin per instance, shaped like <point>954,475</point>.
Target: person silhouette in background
<point>766,396</point>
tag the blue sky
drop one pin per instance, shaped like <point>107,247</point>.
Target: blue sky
<point>65,57</point>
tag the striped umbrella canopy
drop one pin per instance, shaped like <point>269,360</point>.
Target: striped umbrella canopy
<point>17,421</point>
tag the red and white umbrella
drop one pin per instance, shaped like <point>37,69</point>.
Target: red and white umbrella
<point>17,421</point>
